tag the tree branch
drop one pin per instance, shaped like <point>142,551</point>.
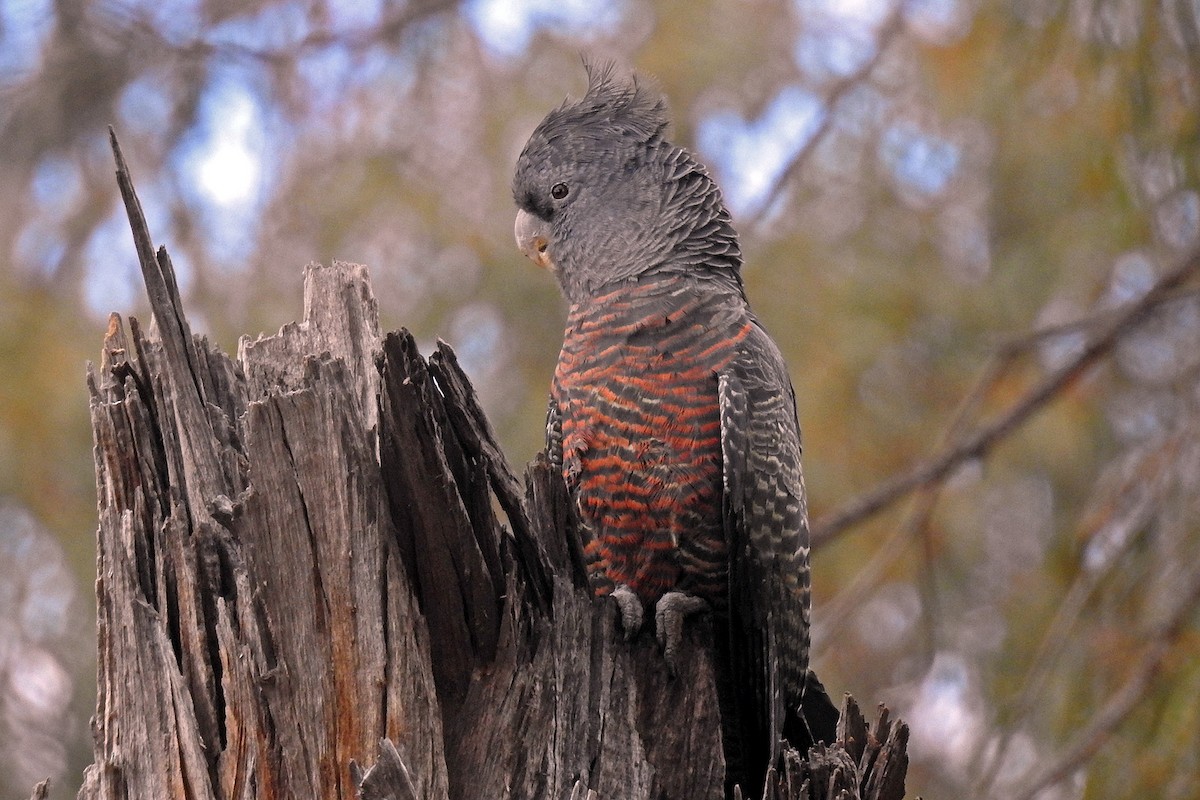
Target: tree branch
<point>888,31</point>
<point>979,442</point>
<point>1058,634</point>
<point>1089,740</point>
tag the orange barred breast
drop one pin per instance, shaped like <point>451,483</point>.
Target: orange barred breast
<point>636,388</point>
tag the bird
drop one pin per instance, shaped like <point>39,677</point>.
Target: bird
<point>672,416</point>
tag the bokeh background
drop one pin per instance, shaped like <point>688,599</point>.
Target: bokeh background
<point>942,203</point>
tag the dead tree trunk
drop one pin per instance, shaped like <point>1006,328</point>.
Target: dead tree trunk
<point>314,556</point>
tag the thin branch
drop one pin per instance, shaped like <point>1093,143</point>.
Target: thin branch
<point>866,579</point>
<point>983,439</point>
<point>1058,634</point>
<point>354,40</point>
<point>1023,342</point>
<point>1126,699</point>
<point>887,33</point>
<point>834,613</point>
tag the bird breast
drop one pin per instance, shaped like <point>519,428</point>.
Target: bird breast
<point>636,387</point>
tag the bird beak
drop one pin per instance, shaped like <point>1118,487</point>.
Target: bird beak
<point>533,237</point>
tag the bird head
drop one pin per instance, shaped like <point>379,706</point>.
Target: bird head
<point>602,197</point>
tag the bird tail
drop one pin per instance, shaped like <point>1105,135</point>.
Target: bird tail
<point>816,718</point>
<point>748,750</point>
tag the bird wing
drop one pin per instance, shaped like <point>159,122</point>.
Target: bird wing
<point>554,434</point>
<point>766,523</point>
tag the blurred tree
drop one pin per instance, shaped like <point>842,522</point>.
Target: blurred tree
<point>947,207</point>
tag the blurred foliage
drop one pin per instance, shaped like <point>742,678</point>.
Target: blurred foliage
<point>919,186</point>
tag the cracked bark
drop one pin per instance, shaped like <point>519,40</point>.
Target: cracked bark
<point>314,556</point>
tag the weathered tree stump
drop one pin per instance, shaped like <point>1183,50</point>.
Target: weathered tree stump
<point>315,556</point>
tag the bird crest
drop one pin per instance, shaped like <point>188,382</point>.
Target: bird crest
<point>624,105</point>
<point>616,109</point>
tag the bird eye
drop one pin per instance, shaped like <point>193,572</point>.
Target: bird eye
<point>558,191</point>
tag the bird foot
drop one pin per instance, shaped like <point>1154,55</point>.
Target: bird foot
<point>630,606</point>
<point>669,614</point>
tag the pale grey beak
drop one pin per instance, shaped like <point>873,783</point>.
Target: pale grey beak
<point>533,237</point>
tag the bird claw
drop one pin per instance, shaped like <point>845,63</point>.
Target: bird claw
<point>631,610</point>
<point>669,614</point>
